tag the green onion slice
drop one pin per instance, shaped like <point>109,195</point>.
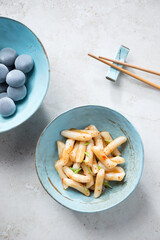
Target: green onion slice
<point>89,170</point>
<point>98,167</point>
<point>107,184</point>
<point>75,170</point>
<point>87,154</point>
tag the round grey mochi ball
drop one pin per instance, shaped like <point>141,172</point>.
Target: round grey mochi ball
<point>15,78</point>
<point>24,63</point>
<point>3,73</point>
<point>8,56</point>
<point>7,107</point>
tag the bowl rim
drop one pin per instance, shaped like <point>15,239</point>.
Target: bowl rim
<point>48,76</point>
<point>138,177</point>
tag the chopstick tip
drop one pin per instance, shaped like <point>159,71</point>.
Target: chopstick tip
<point>90,55</point>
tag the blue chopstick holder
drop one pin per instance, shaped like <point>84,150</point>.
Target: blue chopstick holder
<point>121,56</point>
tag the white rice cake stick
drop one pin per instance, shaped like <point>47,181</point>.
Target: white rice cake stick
<point>78,186</point>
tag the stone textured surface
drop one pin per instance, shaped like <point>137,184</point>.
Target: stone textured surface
<point>69,30</point>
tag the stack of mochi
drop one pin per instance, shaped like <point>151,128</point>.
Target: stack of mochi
<point>12,79</point>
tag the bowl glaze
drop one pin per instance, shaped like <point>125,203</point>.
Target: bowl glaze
<point>104,119</point>
<point>16,35</point>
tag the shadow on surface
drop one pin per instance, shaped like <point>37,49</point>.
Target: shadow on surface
<point>131,210</point>
<point>22,140</point>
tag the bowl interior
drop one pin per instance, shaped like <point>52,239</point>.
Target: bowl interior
<point>104,119</point>
<point>15,35</point>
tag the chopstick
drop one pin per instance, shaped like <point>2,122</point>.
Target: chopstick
<point>126,72</point>
<point>130,65</point>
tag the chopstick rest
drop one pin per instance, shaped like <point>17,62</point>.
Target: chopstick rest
<point>129,73</point>
<point>121,56</point>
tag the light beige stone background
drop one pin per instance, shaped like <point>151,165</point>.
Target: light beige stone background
<point>70,30</point>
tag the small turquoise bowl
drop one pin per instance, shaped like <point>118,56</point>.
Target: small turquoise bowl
<point>104,119</point>
<point>16,35</point>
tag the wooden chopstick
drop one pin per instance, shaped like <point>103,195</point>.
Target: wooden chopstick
<point>130,65</point>
<point>126,72</point>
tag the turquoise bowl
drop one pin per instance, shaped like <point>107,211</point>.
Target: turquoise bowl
<point>16,35</point>
<point>104,119</point>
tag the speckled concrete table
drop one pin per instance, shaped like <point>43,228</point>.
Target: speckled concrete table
<point>69,30</point>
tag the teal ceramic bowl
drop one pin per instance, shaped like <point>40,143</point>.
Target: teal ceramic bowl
<point>104,119</point>
<point>16,35</point>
